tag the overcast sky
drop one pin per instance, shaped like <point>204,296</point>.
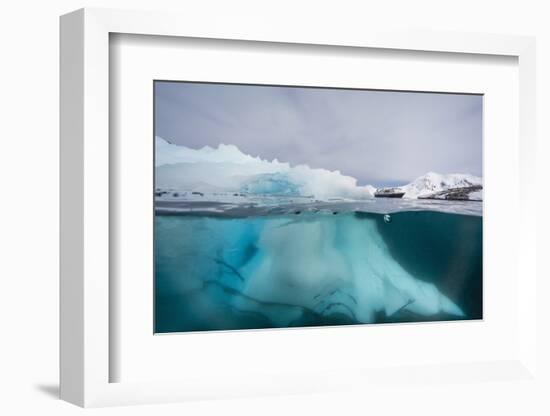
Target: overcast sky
<point>379,137</point>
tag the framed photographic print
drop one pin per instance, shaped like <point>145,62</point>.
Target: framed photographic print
<point>260,211</point>
<point>289,230</point>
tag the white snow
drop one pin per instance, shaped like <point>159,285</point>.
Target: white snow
<point>433,182</point>
<point>167,153</point>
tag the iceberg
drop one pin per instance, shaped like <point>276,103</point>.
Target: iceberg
<point>347,256</point>
<point>227,169</point>
<point>313,269</point>
<point>243,242</point>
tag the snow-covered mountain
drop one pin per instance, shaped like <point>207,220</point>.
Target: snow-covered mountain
<point>432,183</point>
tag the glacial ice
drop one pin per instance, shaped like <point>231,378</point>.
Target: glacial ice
<point>227,169</point>
<point>297,260</point>
<point>285,268</point>
<point>271,184</point>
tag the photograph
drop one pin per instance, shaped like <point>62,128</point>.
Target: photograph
<point>302,206</point>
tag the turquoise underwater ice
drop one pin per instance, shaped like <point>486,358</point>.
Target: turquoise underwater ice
<point>315,268</point>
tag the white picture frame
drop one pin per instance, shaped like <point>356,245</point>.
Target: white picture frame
<point>85,202</point>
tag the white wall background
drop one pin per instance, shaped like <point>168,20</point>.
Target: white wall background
<point>29,56</point>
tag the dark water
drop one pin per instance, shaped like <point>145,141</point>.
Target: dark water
<point>310,269</point>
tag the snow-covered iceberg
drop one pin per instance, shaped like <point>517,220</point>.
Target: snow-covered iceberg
<point>227,169</point>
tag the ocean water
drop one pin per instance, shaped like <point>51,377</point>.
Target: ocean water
<point>302,266</point>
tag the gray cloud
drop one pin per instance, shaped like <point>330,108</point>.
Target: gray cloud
<point>378,137</point>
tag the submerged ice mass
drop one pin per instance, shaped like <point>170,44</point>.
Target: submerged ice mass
<point>313,269</point>
<point>339,266</point>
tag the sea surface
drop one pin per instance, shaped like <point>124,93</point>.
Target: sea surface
<point>248,266</point>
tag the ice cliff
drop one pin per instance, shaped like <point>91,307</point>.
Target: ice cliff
<point>227,169</point>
